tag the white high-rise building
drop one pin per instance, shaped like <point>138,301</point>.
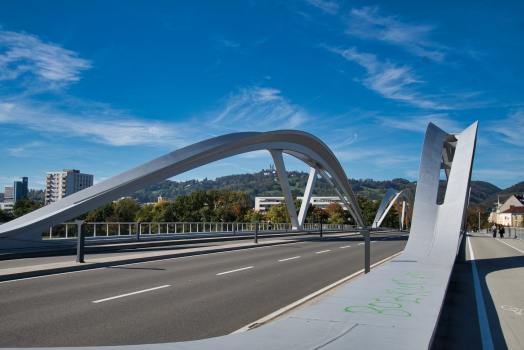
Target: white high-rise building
<point>61,184</point>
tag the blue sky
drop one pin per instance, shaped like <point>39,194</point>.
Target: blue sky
<point>103,86</point>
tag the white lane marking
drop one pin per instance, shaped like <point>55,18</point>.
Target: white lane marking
<point>153,259</point>
<point>509,245</point>
<point>323,251</point>
<point>485,332</point>
<point>311,296</point>
<point>348,246</point>
<point>295,257</point>
<point>128,294</point>
<point>244,268</point>
<point>361,243</point>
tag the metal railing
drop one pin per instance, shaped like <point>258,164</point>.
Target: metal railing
<point>107,229</point>
<point>511,232</point>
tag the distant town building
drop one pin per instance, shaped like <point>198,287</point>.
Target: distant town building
<point>20,189</point>
<point>271,171</point>
<point>7,206</point>
<point>1,197</point>
<point>8,194</point>
<point>61,184</point>
<point>263,204</point>
<point>508,210</point>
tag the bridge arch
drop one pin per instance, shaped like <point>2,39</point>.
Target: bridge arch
<point>391,197</point>
<point>26,231</point>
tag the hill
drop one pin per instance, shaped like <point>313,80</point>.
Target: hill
<point>260,185</point>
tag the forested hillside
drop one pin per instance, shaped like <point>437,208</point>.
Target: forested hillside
<point>260,185</point>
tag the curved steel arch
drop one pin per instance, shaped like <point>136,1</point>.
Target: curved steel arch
<point>391,197</point>
<point>301,145</point>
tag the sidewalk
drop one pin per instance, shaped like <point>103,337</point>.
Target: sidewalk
<point>495,319</point>
<point>37,266</point>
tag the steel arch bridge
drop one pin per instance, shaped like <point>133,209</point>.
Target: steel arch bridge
<point>26,231</point>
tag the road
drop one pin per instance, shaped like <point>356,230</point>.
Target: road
<point>177,299</point>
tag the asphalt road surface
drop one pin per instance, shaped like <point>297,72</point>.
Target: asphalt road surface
<point>177,299</point>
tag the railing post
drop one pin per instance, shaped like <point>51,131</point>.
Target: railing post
<point>119,229</point>
<point>320,226</point>
<point>50,232</point>
<point>94,230</point>
<point>81,239</point>
<point>66,231</point>
<point>107,230</point>
<point>137,239</point>
<point>367,250</point>
<point>130,229</point>
<point>256,231</point>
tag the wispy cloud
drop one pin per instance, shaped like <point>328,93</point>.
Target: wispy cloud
<point>258,108</point>
<point>367,23</point>
<point>330,7</point>
<point>100,125</point>
<point>420,123</point>
<point>512,128</point>
<point>391,81</point>
<point>24,53</point>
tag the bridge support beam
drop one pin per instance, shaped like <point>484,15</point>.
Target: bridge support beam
<point>307,196</point>
<point>284,183</point>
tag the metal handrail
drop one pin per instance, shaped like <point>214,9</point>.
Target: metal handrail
<point>107,229</point>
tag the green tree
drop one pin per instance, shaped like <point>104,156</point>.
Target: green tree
<point>126,209</point>
<point>253,215</point>
<point>5,216</point>
<point>24,206</point>
<point>278,213</point>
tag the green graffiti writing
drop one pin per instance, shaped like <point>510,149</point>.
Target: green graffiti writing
<point>393,302</point>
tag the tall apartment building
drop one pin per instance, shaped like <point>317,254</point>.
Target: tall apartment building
<point>61,184</point>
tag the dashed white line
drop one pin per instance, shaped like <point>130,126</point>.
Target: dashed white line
<point>361,243</point>
<point>128,294</point>
<point>244,268</point>
<point>348,246</point>
<point>323,251</point>
<point>295,257</point>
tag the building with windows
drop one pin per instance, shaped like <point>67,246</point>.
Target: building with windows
<point>20,189</point>
<point>61,184</point>
<point>8,194</point>
<point>508,211</point>
<point>263,204</point>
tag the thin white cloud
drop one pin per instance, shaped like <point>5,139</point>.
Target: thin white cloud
<point>389,80</point>
<point>330,7</point>
<point>367,23</point>
<point>512,128</point>
<point>260,109</point>
<point>101,125</point>
<point>25,53</point>
<point>420,123</point>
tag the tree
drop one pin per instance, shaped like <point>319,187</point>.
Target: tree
<point>278,213</point>
<point>126,209</point>
<point>24,206</point>
<point>253,215</point>
<point>473,218</point>
<point>5,216</point>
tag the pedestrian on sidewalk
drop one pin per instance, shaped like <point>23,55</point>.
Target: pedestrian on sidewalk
<point>494,229</point>
<point>501,231</point>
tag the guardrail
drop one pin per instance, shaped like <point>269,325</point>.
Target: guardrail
<point>107,229</point>
<point>512,232</point>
